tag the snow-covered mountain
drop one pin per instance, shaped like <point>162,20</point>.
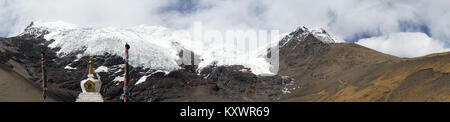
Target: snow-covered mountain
<point>302,33</point>
<point>154,47</point>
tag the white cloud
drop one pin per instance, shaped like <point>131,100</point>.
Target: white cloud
<point>404,44</point>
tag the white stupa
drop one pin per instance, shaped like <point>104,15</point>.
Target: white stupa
<point>90,87</point>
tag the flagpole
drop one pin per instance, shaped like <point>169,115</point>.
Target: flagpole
<point>44,77</point>
<point>127,77</point>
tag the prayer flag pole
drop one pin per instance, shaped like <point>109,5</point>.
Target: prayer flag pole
<point>127,77</point>
<point>44,76</point>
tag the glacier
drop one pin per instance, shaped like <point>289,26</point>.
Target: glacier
<point>154,47</point>
<point>150,45</point>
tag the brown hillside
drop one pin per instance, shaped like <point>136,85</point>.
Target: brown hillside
<point>349,72</point>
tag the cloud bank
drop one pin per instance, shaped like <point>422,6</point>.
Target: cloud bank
<point>404,44</point>
<point>347,20</point>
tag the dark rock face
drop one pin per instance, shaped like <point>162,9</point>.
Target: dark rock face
<point>237,82</point>
<point>214,83</point>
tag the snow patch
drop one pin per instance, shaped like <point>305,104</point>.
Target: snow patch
<point>286,83</point>
<point>141,80</point>
<point>243,70</point>
<point>120,70</point>
<point>79,56</point>
<point>119,78</point>
<point>69,68</point>
<point>101,69</point>
<point>165,72</point>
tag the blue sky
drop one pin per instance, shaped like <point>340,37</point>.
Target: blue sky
<point>347,20</point>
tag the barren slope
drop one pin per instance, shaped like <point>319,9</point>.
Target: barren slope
<point>350,72</point>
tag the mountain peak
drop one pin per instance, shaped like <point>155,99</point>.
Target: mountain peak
<point>322,35</point>
<point>302,33</point>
